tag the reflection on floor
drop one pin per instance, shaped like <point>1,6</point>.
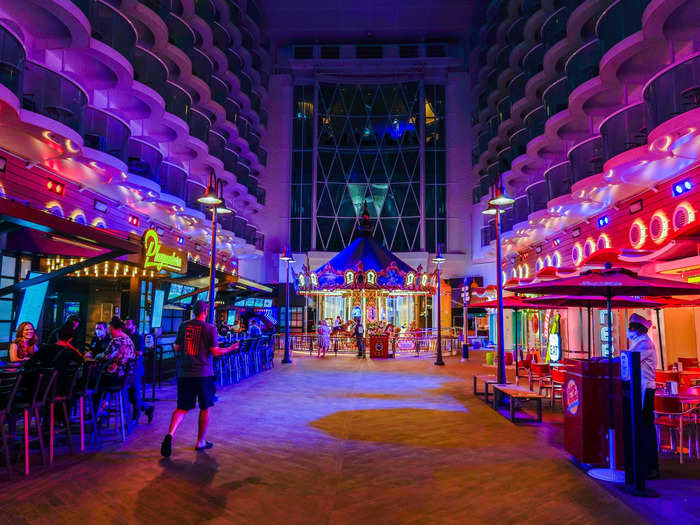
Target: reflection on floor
<point>338,441</point>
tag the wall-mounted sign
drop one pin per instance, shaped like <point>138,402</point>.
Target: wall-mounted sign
<point>554,340</point>
<point>159,257</point>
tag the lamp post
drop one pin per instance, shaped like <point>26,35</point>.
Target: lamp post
<point>439,259</point>
<point>288,258</point>
<point>214,198</point>
<point>499,199</point>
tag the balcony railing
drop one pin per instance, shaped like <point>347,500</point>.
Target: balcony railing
<point>514,35</point>
<point>230,160</point>
<point>199,125</point>
<point>150,71</point>
<point>673,92</point>
<point>534,122</point>
<point>219,90</point>
<point>144,159</point>
<point>559,179</point>
<point>587,158</point>
<point>532,62</point>
<point>521,209</point>
<point>518,142</point>
<point>537,196</point>
<point>554,28</point>
<point>261,194</point>
<point>206,10</point>
<point>516,87</point>
<point>109,26</point>
<point>11,62</point>
<point>103,132</point>
<point>253,11</point>
<point>173,180</point>
<point>53,96</point>
<point>622,19</point>
<point>202,66</point>
<point>180,34</point>
<point>556,97</point>
<point>177,101</point>
<point>164,7</point>
<point>583,64</point>
<point>217,144</point>
<point>625,130</point>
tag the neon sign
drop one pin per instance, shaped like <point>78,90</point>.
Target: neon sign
<point>160,257</point>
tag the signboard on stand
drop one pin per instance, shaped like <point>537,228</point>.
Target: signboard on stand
<point>554,350</point>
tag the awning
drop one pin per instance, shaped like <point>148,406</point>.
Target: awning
<point>36,231</point>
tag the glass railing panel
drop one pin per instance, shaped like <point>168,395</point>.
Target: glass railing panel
<point>559,179</point>
<point>177,101</point>
<point>254,12</point>
<point>517,87</point>
<point>556,97</point>
<point>518,142</point>
<point>173,180</point>
<point>583,64</point>
<point>620,20</point>
<point>520,209</point>
<point>110,27</point>
<point>199,125</point>
<point>554,28</point>
<point>537,197</point>
<point>673,92</point>
<point>216,144</point>
<point>534,122</point>
<point>514,35</point>
<point>206,10</point>
<point>245,83</point>
<point>103,132</point>
<point>53,96</point>
<point>503,109</point>
<point>179,34</point>
<point>587,158</point>
<point>201,65</point>
<point>143,159</point>
<point>11,62</point>
<point>150,71</point>
<point>624,130</point>
<point>532,62</point>
<point>504,157</point>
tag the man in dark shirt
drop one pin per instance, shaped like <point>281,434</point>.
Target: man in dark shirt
<point>196,345</point>
<point>59,356</point>
<point>359,335</point>
<point>73,322</point>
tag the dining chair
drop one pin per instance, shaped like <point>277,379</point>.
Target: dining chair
<point>670,415</point>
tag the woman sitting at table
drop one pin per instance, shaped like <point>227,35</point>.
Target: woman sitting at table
<point>25,343</point>
<point>642,343</point>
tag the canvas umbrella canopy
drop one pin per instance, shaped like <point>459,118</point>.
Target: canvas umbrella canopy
<point>610,282</point>
<point>592,301</point>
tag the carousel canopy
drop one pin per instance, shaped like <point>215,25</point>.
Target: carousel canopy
<point>366,264</point>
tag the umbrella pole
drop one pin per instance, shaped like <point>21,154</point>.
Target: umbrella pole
<point>661,344</point>
<point>517,354</point>
<point>589,328</point>
<point>610,473</point>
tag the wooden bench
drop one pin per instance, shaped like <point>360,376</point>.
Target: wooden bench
<point>518,394</point>
<point>487,380</point>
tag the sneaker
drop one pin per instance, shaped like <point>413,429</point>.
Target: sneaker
<point>207,445</point>
<point>166,448</point>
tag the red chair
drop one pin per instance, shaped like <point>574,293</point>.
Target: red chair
<point>540,374</point>
<point>663,375</point>
<point>554,385</point>
<point>688,379</point>
<point>688,362</point>
<point>669,415</point>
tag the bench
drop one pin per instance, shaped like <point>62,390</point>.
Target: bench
<point>518,394</point>
<point>487,380</point>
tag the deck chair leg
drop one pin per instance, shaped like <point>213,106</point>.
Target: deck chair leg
<point>26,442</point>
<point>6,447</point>
<point>120,400</point>
<point>81,410</point>
<point>52,427</point>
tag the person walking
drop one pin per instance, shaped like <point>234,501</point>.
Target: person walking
<point>25,343</point>
<point>640,342</point>
<point>324,338</point>
<point>136,390</point>
<point>196,345</point>
<point>359,335</point>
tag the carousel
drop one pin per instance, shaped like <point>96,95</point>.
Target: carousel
<point>367,283</point>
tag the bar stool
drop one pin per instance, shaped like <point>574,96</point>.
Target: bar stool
<point>117,392</point>
<point>9,384</point>
<point>62,394</point>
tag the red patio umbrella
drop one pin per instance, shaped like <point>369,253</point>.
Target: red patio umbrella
<point>610,282</point>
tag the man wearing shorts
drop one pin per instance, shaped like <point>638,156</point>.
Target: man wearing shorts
<point>196,344</point>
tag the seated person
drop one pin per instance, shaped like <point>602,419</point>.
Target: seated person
<point>120,350</point>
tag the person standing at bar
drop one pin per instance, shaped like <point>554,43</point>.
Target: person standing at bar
<point>135,390</point>
<point>196,345</point>
<point>642,343</point>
